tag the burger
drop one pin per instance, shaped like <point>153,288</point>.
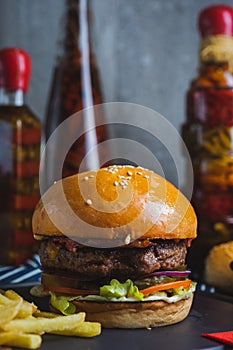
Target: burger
<point>113,244</point>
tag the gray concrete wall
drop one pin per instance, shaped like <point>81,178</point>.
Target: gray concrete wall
<point>146,49</point>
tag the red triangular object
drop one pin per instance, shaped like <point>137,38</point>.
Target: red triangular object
<point>224,337</point>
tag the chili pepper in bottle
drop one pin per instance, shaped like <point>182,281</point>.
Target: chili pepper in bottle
<point>20,139</point>
<point>208,134</point>
<point>75,85</point>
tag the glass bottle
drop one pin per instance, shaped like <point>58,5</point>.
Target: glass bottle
<point>208,133</point>
<point>75,86</point>
<point>20,137</point>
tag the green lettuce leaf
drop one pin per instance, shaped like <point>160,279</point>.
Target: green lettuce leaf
<point>62,303</point>
<point>117,290</point>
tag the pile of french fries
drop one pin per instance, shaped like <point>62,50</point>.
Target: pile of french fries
<point>22,323</point>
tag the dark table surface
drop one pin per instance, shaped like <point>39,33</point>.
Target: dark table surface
<point>209,313</point>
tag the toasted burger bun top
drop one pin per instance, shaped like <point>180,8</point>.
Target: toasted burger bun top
<point>115,202</point>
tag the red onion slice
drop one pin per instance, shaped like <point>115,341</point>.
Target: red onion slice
<point>169,273</point>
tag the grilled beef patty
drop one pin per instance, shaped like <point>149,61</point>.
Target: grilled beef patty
<point>62,255</point>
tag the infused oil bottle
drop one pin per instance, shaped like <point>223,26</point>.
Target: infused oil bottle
<point>20,137</point>
<point>75,86</point>
<point>208,133</point>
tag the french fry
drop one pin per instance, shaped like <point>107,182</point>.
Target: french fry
<point>12,295</point>
<point>26,309</point>
<point>86,329</point>
<point>22,323</point>
<point>3,300</point>
<point>28,341</point>
<point>45,325</point>
<point>5,337</point>
<point>45,314</point>
<point>8,312</point>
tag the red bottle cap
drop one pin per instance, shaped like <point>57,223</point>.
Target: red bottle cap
<point>15,69</point>
<point>214,20</point>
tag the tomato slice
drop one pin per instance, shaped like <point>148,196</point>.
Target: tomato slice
<point>165,286</point>
<point>71,291</point>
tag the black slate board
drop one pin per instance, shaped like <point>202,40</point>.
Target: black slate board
<point>207,315</point>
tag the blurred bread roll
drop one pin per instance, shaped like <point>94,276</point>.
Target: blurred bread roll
<point>219,267</point>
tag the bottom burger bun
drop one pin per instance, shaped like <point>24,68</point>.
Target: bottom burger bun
<point>135,315</point>
<point>219,267</point>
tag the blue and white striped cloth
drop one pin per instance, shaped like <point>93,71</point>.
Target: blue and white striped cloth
<point>29,272</point>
